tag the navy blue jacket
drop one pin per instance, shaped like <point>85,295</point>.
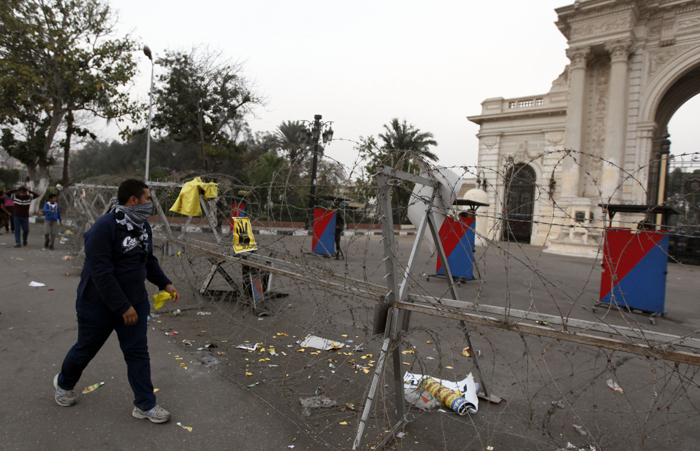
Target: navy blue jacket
<point>115,268</point>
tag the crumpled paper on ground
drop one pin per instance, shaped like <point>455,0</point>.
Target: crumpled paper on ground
<point>316,402</point>
<point>324,344</point>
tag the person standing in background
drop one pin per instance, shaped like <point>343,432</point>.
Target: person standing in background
<point>10,207</point>
<point>52,219</point>
<point>22,198</point>
<point>5,216</point>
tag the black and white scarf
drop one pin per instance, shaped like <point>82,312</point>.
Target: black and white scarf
<point>132,219</point>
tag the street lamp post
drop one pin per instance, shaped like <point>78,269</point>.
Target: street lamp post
<point>147,52</point>
<point>312,134</point>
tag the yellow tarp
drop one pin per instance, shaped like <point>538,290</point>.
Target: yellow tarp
<point>187,202</point>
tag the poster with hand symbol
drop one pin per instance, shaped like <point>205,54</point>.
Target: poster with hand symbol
<point>243,239</point>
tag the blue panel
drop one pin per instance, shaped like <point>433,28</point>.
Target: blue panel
<point>461,260</point>
<point>644,287</point>
<point>326,242</point>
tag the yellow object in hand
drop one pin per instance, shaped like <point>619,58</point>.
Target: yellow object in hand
<point>160,298</point>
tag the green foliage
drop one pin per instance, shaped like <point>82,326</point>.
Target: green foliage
<point>403,146</point>
<point>203,100</point>
<point>57,57</point>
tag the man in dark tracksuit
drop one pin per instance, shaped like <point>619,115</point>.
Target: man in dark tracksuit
<point>112,296</point>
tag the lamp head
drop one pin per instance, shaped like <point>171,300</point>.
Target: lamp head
<point>147,52</point>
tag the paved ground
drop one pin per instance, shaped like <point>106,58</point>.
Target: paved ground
<point>37,327</point>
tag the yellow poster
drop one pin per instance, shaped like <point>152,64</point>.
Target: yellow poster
<point>243,239</point>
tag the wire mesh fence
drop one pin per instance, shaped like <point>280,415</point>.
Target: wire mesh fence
<point>571,369</point>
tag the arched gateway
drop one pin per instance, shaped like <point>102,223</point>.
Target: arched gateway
<point>633,64</point>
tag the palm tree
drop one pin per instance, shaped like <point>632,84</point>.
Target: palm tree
<point>290,141</point>
<point>403,145</point>
<point>402,138</point>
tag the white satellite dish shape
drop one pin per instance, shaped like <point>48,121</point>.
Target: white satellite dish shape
<point>450,184</point>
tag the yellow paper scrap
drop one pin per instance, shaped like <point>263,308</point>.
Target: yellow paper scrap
<point>188,428</point>
<point>160,298</point>
<point>408,351</point>
<point>406,363</point>
<point>429,342</point>
<point>449,367</point>
<point>156,389</point>
<point>93,387</point>
<point>248,374</point>
<point>343,423</point>
<point>301,350</point>
<point>179,253</point>
<point>365,370</point>
<point>182,364</point>
<point>489,448</point>
<point>345,336</point>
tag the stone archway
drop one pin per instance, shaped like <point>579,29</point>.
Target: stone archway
<point>519,202</point>
<point>683,89</point>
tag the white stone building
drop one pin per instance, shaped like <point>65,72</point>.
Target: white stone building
<point>633,64</point>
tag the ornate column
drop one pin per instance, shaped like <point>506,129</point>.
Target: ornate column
<point>616,121</point>
<point>574,121</point>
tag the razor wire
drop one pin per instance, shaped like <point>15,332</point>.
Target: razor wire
<point>556,393</point>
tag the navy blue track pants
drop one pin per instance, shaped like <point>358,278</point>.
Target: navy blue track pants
<point>95,324</point>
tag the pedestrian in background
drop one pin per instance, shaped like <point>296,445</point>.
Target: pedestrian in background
<point>52,219</point>
<point>22,198</point>
<point>5,215</point>
<point>10,207</point>
<point>112,296</point>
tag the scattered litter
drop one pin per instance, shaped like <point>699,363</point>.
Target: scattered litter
<point>247,347</point>
<point>92,387</point>
<point>316,402</point>
<point>460,396</point>
<point>613,385</point>
<point>247,373</point>
<point>543,323</point>
<point>177,312</point>
<point>36,284</point>
<point>408,351</point>
<point>68,232</point>
<point>401,435</point>
<point>188,428</point>
<point>312,341</point>
<point>343,423</point>
<point>171,333</point>
<point>203,313</point>
<point>187,342</point>
<point>290,446</point>
<point>210,345</point>
<point>489,448</point>
<point>156,389</point>
<point>253,385</point>
<point>64,240</point>
<point>320,391</point>
<point>160,298</point>
<point>579,429</point>
<point>466,352</point>
<point>66,257</point>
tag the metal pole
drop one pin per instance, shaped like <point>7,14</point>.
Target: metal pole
<point>663,173</point>
<point>314,165</point>
<point>150,115</point>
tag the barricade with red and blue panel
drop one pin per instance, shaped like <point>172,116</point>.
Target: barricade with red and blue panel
<point>237,211</point>
<point>635,264</point>
<point>323,241</point>
<point>457,238</point>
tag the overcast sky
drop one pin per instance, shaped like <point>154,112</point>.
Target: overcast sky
<point>362,63</point>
